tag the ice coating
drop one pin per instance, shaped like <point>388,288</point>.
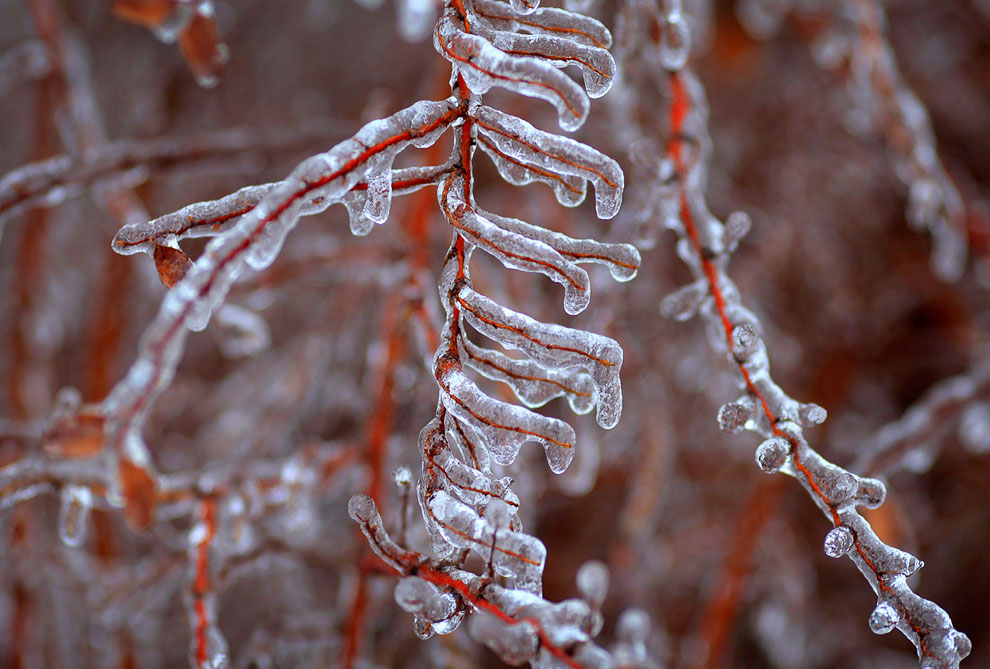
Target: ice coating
<point>484,66</point>
<point>548,21</point>
<point>505,427</point>
<point>622,260</point>
<point>532,383</point>
<point>519,140</point>
<point>596,64</point>
<point>513,554</point>
<point>518,251</point>
<point>553,347</point>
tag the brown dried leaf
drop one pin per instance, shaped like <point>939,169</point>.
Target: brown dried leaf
<point>78,435</point>
<point>172,264</point>
<point>201,47</point>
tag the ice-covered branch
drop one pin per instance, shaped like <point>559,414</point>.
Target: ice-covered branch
<point>705,245</point>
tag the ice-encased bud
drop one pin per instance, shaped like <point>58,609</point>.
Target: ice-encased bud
<point>961,642</point>
<point>733,416</point>
<point>840,486</point>
<point>772,454</point>
<point>361,508</point>
<point>683,303</point>
<point>737,226</point>
<point>592,583</point>
<point>675,45</point>
<point>745,341</point>
<point>884,618</point>
<point>811,414</point>
<point>838,541</point>
<point>634,625</point>
<point>871,493</point>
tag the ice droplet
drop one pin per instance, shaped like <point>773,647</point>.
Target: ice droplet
<point>838,541</point>
<point>772,454</point>
<point>73,514</point>
<point>883,618</point>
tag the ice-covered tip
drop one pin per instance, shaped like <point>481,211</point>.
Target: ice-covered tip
<point>733,416</point>
<point>884,618</point>
<point>675,44</point>
<point>811,414</point>
<point>737,226</point>
<point>592,583</point>
<point>745,341</point>
<point>684,302</point>
<point>838,541</point>
<point>772,454</point>
<point>634,625</point>
<point>871,493</point>
<point>361,508</point>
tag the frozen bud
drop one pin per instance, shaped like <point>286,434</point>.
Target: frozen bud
<point>772,454</point>
<point>838,541</point>
<point>811,414</point>
<point>840,486</point>
<point>592,583</point>
<point>961,642</point>
<point>745,341</point>
<point>634,625</point>
<point>871,493</point>
<point>683,303</point>
<point>732,417</point>
<point>361,508</point>
<point>675,45</point>
<point>402,476</point>
<point>883,618</point>
<point>737,226</point>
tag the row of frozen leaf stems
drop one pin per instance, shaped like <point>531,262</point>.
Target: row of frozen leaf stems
<point>834,489</point>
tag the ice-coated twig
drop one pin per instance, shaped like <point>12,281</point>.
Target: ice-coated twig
<point>854,42</point>
<point>961,402</point>
<point>130,162</point>
<point>705,245</point>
